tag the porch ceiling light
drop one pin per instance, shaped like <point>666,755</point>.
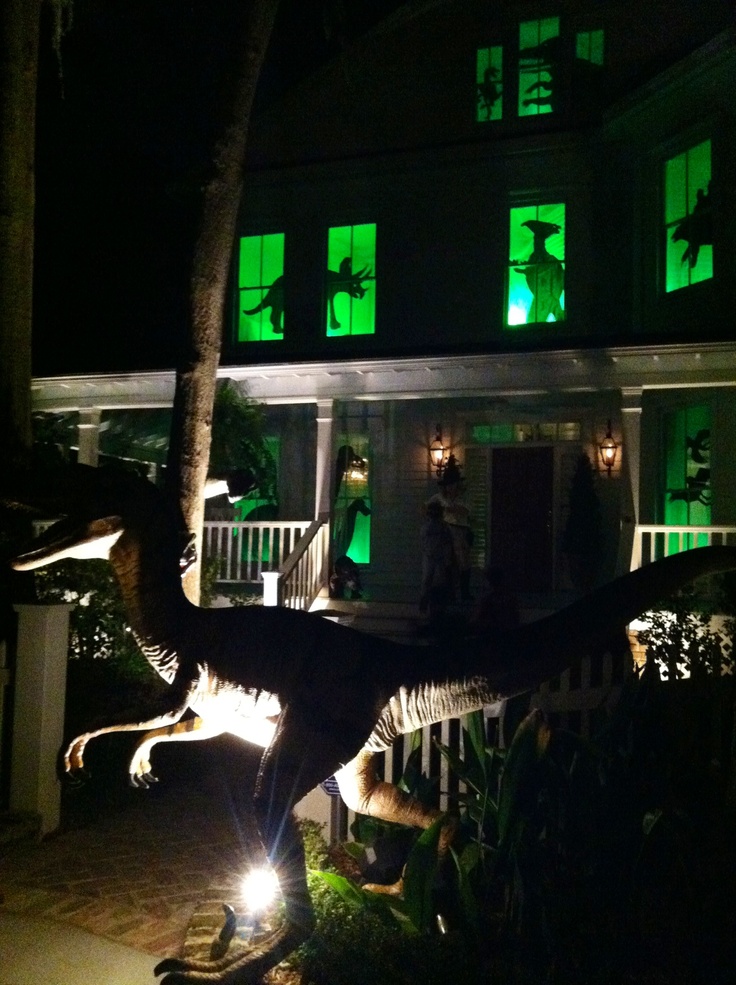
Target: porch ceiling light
<point>608,449</point>
<point>437,452</point>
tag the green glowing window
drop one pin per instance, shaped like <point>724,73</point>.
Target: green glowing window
<point>539,60</point>
<point>488,79</point>
<point>261,288</point>
<point>688,218</point>
<point>589,46</point>
<point>687,488</point>
<point>352,511</point>
<point>351,282</point>
<point>536,270</point>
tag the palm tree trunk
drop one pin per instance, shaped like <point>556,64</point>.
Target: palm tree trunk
<point>19,38</point>
<point>196,376</point>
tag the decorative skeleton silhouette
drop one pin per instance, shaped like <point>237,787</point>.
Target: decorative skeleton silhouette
<point>319,698</point>
<point>341,281</point>
<point>544,273</point>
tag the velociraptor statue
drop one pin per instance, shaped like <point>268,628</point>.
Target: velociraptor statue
<point>319,698</point>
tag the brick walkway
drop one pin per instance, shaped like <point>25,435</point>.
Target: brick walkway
<point>137,877</point>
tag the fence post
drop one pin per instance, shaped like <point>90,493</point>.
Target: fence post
<point>38,721</point>
<point>272,587</point>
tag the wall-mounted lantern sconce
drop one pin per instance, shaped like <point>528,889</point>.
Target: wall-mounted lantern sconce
<point>357,468</point>
<point>437,452</point>
<point>608,449</point>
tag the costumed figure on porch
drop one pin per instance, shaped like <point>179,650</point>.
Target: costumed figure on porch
<point>457,516</point>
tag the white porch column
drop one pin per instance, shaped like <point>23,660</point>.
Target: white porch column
<point>38,721</point>
<point>631,434</point>
<point>631,428</point>
<point>323,482</point>
<point>89,437</point>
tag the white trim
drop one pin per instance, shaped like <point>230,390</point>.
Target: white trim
<point>501,374</point>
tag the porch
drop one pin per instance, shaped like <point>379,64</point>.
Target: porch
<point>287,562</point>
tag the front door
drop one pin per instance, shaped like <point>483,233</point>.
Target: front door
<point>521,516</point>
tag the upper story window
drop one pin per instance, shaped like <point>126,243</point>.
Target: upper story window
<point>489,83</point>
<point>261,288</point>
<point>540,58</point>
<point>688,218</point>
<point>589,47</point>
<point>350,284</point>
<point>536,270</point>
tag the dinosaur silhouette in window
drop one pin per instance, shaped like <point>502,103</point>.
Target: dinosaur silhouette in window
<point>544,273</point>
<point>555,57</point>
<point>489,91</point>
<point>697,480</point>
<point>696,229</point>
<point>340,281</point>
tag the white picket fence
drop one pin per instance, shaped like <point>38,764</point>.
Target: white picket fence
<point>579,700</point>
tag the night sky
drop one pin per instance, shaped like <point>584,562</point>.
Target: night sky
<point>123,130</point>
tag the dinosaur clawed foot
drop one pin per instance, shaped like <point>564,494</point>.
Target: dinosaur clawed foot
<point>77,777</point>
<point>238,968</point>
<point>142,781</point>
<point>393,889</point>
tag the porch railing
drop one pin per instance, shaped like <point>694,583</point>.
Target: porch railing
<point>298,581</point>
<point>244,551</point>
<point>654,541</point>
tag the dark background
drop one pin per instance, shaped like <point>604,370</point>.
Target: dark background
<point>125,124</point>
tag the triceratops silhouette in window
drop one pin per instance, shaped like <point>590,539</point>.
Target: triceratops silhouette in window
<point>544,273</point>
<point>696,229</point>
<point>340,281</point>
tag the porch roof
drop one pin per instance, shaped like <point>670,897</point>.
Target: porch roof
<point>625,368</point>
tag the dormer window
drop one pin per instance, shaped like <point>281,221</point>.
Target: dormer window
<point>540,59</point>
<point>489,83</point>
<point>688,218</point>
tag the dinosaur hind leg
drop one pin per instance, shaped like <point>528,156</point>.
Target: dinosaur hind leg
<point>363,792</point>
<point>305,750</point>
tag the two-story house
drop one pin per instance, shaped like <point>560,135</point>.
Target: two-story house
<point>501,231</point>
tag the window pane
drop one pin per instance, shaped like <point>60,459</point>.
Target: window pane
<point>589,46</point>
<point>351,280</point>
<point>539,54</point>
<point>687,498</point>
<point>536,273</point>
<point>488,84</point>
<point>261,288</point>
<point>352,511</point>
<point>688,218</point>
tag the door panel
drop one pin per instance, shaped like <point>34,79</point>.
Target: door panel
<point>521,516</point>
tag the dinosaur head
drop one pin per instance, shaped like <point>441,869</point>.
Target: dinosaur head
<point>88,508</point>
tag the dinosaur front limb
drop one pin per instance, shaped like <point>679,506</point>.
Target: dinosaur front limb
<point>190,730</point>
<point>74,755</point>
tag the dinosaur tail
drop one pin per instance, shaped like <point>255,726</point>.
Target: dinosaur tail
<point>539,651</point>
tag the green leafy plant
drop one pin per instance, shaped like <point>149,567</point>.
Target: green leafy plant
<point>684,639</point>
